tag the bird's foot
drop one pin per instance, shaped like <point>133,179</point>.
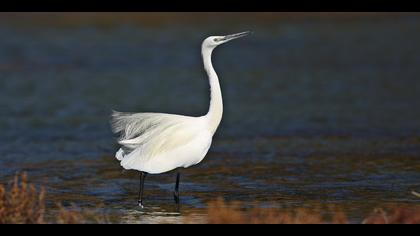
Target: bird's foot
<point>141,204</point>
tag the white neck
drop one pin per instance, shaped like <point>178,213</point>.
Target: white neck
<point>214,115</point>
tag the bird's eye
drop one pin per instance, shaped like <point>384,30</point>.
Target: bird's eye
<point>215,40</point>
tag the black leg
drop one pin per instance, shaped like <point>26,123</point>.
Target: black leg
<point>176,192</point>
<point>142,177</point>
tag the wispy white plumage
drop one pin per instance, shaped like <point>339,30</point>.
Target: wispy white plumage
<point>157,142</point>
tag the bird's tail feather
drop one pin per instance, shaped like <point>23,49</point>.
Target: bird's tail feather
<point>120,154</point>
<point>133,125</point>
<point>119,121</point>
<point>150,131</point>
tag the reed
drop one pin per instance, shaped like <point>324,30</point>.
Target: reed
<point>221,212</point>
<point>22,203</point>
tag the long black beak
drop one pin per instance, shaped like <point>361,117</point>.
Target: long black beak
<point>235,36</point>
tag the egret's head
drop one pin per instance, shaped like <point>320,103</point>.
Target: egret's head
<point>214,41</point>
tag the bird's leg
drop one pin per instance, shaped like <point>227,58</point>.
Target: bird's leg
<point>142,177</point>
<point>176,192</point>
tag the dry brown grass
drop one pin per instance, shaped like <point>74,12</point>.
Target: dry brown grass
<point>21,203</point>
<point>394,215</point>
<point>221,212</point>
<point>75,215</point>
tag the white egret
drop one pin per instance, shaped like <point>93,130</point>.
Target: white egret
<point>156,142</point>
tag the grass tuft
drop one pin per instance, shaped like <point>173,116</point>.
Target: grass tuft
<point>221,212</point>
<point>22,203</point>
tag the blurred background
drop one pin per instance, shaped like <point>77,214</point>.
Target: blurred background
<point>319,107</point>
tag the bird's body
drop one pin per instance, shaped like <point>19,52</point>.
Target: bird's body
<point>156,142</point>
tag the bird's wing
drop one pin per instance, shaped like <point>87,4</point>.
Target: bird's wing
<point>154,133</point>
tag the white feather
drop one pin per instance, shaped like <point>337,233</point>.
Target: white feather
<point>147,137</point>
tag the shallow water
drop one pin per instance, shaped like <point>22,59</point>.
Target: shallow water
<point>315,112</point>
